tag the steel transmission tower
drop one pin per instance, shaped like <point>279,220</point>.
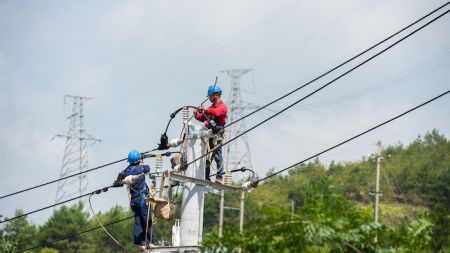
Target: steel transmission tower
<point>238,152</point>
<point>75,158</point>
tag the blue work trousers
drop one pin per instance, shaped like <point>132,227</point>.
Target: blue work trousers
<point>140,221</point>
<point>217,155</point>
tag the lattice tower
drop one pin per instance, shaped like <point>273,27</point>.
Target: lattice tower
<point>237,153</point>
<point>75,158</point>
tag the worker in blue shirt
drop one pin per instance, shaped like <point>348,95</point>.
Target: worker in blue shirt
<point>134,177</point>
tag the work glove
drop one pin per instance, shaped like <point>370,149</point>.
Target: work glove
<point>130,179</point>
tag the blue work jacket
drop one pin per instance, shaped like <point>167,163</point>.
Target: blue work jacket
<point>139,189</point>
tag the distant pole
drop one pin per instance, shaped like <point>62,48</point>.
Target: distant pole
<point>377,187</point>
<point>292,209</point>
<point>241,220</point>
<point>222,197</point>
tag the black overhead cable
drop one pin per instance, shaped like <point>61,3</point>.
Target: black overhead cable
<point>327,84</point>
<point>278,99</point>
<point>338,66</point>
<point>358,135</point>
<point>262,122</point>
<point>73,175</point>
<point>309,158</point>
<point>57,204</point>
<point>104,189</point>
<point>74,235</point>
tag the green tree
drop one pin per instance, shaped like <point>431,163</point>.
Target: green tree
<point>327,222</point>
<point>48,250</point>
<point>67,221</point>
<point>7,246</point>
<point>18,234</point>
<point>122,231</point>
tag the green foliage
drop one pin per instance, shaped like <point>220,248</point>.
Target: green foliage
<point>7,246</point>
<point>327,222</point>
<point>415,236</point>
<point>333,208</point>
<point>48,250</point>
<point>332,213</point>
<point>18,233</point>
<point>67,221</point>
<point>121,231</point>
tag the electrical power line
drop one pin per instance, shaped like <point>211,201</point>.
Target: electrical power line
<point>280,98</point>
<point>323,86</point>
<point>315,32</point>
<point>175,68</point>
<point>429,101</point>
<point>75,152</point>
<point>104,189</point>
<point>63,178</point>
<point>340,65</point>
<point>57,204</point>
<point>103,227</point>
<point>73,175</point>
<point>262,122</point>
<point>296,164</point>
<point>77,234</point>
<point>419,70</point>
<point>358,135</point>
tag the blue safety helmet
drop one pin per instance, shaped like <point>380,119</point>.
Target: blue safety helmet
<point>214,89</point>
<point>134,156</point>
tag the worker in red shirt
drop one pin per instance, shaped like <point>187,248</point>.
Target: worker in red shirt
<point>217,116</point>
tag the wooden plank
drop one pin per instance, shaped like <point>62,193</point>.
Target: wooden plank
<point>214,185</point>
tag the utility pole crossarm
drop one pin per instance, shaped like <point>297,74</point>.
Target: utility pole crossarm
<point>78,138</point>
<point>202,182</point>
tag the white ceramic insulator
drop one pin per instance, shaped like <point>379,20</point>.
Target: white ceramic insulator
<point>175,142</point>
<point>158,163</point>
<point>185,114</point>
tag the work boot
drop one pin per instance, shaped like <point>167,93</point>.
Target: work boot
<point>151,245</point>
<point>219,180</point>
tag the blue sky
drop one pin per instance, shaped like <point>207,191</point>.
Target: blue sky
<point>141,60</point>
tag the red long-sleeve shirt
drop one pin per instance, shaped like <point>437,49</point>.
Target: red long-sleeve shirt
<point>216,112</point>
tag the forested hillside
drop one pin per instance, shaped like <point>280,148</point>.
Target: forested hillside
<point>334,208</point>
<point>333,211</point>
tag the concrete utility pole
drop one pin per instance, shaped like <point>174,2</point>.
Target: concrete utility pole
<point>191,221</point>
<point>194,183</point>
<point>221,207</point>
<point>292,209</point>
<point>229,181</point>
<point>241,220</point>
<point>241,214</point>
<point>75,158</point>
<point>377,187</point>
<point>194,188</point>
